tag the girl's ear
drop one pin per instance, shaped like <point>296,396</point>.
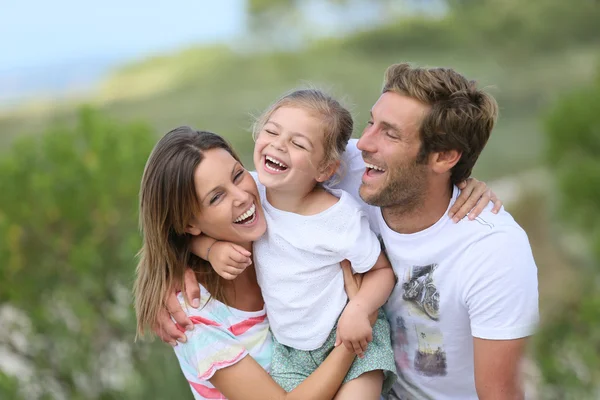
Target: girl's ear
<point>328,171</point>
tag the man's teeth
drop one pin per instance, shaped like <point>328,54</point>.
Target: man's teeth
<point>247,214</point>
<point>375,167</point>
<point>274,161</point>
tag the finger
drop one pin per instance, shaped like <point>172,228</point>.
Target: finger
<point>460,200</point>
<point>241,250</point>
<point>192,289</point>
<point>228,276</point>
<point>348,346</point>
<point>337,339</point>
<point>357,349</point>
<point>239,258</point>
<point>497,203</point>
<point>474,197</point>
<point>479,207</point>
<point>364,345</point>
<point>176,311</point>
<point>166,330</point>
<point>241,266</point>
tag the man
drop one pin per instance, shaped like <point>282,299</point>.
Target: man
<point>466,296</point>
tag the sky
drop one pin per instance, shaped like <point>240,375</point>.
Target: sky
<point>37,33</point>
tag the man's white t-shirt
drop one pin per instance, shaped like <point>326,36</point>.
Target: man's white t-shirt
<point>455,282</point>
<point>297,267</point>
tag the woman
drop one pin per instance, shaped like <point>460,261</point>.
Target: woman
<point>194,183</point>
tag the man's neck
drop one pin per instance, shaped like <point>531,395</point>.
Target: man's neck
<point>417,217</point>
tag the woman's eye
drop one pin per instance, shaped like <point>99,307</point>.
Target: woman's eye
<point>215,198</point>
<point>238,176</point>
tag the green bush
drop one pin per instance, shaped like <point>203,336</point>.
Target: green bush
<point>568,346</point>
<point>68,239</point>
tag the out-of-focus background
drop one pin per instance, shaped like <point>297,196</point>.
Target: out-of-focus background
<point>86,89</point>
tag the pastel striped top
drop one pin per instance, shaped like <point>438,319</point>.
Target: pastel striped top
<point>222,336</point>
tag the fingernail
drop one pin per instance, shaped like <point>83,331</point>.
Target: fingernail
<point>471,217</point>
<point>173,344</point>
<point>450,214</point>
<point>190,327</point>
<point>182,339</point>
<point>196,303</point>
<point>455,220</point>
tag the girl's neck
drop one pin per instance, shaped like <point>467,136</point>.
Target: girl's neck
<point>293,201</point>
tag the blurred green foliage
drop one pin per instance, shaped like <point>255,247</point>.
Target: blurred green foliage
<point>68,209</point>
<point>68,239</point>
<point>568,346</point>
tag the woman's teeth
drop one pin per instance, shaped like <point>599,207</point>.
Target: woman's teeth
<point>247,214</point>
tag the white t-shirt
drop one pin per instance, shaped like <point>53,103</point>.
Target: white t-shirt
<point>297,266</point>
<point>455,282</point>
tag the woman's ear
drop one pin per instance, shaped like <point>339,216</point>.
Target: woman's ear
<point>328,171</point>
<point>193,228</point>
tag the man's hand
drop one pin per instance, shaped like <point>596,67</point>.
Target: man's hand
<point>354,329</point>
<point>228,259</point>
<point>165,328</point>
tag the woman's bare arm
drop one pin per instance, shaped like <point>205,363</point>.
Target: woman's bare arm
<point>247,380</point>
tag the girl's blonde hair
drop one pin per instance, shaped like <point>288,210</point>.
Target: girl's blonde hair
<point>337,120</point>
<point>168,201</point>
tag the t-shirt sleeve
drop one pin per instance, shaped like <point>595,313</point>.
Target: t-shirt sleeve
<point>358,242</point>
<point>501,290</point>
<point>351,170</point>
<point>209,348</point>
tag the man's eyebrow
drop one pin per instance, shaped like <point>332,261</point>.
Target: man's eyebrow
<point>388,125</point>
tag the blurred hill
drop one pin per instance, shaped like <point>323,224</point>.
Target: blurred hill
<point>525,62</point>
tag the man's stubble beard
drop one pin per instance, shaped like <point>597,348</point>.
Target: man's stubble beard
<point>404,192</point>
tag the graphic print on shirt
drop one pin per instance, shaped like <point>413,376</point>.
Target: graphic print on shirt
<point>422,300</point>
<point>421,290</point>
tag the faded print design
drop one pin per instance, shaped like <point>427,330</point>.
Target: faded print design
<point>421,291</point>
<point>430,358</point>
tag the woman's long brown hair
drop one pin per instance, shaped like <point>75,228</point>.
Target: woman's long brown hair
<point>167,203</point>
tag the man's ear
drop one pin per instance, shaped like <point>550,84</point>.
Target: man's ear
<point>193,228</point>
<point>328,171</point>
<point>443,161</point>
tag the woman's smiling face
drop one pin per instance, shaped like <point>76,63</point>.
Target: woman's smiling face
<point>230,208</point>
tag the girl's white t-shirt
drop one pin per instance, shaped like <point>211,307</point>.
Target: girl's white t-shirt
<point>298,268</point>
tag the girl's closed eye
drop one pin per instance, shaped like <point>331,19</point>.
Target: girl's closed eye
<point>271,132</point>
<point>299,145</point>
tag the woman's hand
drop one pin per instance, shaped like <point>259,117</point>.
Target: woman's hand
<point>473,199</point>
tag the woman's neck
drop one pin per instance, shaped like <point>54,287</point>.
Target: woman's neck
<point>243,292</point>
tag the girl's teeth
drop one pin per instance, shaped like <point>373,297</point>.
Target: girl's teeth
<point>274,161</point>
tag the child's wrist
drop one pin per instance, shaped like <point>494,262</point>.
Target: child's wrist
<point>209,248</point>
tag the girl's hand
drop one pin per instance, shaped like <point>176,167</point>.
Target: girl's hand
<point>228,259</point>
<point>474,197</point>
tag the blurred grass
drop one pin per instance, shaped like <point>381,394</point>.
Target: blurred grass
<point>216,89</point>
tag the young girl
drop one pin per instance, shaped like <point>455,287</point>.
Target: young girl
<point>310,230</point>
